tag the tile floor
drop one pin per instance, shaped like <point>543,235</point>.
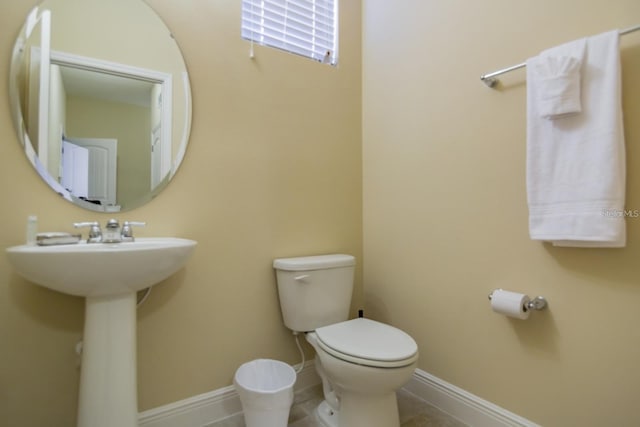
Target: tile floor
<point>414,412</point>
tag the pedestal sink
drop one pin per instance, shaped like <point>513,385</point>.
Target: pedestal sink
<point>108,275</point>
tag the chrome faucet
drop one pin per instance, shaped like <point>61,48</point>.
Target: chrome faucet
<point>113,233</point>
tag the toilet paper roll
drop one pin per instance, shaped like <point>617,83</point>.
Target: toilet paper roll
<point>510,304</point>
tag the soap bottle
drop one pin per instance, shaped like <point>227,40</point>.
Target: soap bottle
<point>32,229</point>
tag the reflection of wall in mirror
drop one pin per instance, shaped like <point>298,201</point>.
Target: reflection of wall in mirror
<point>104,37</point>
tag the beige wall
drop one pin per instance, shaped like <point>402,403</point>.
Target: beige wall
<point>273,169</point>
<point>445,215</point>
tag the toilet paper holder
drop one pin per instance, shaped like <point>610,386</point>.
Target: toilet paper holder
<point>537,303</point>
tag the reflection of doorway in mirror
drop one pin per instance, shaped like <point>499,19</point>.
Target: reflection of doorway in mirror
<point>160,147</point>
<point>156,157</point>
<point>100,168</point>
<point>108,100</point>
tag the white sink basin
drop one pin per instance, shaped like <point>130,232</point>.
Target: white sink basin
<point>108,275</point>
<point>100,269</point>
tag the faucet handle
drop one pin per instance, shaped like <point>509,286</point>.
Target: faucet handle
<point>95,233</point>
<point>127,230</point>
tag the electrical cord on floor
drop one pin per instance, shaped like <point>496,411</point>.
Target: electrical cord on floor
<point>295,335</point>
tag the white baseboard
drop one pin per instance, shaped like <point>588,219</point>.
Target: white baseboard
<point>466,407</point>
<point>206,408</point>
<point>217,405</point>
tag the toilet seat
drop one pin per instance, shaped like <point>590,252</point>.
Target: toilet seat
<point>369,343</point>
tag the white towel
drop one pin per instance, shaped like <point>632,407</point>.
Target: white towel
<point>576,164</point>
<point>558,78</point>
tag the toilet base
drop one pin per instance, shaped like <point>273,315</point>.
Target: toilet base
<point>326,416</point>
<point>360,411</point>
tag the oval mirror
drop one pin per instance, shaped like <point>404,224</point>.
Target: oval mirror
<point>100,100</point>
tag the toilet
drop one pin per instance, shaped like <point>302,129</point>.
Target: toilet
<point>361,362</point>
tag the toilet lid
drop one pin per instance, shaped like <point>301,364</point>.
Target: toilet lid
<point>368,342</point>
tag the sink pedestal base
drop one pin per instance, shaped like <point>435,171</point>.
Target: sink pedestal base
<point>108,382</point>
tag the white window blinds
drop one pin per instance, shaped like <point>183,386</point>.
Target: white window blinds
<point>304,27</point>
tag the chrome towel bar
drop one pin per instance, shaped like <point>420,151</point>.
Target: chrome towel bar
<point>490,78</point>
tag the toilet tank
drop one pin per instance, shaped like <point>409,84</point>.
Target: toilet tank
<point>314,291</point>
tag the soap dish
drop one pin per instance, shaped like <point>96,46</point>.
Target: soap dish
<point>57,238</point>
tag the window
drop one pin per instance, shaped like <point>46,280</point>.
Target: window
<point>303,27</point>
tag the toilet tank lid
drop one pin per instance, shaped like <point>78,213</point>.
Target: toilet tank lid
<point>316,262</point>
